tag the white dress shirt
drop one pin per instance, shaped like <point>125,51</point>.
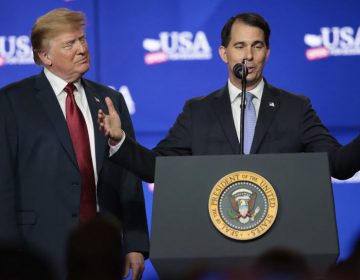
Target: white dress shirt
<point>58,86</point>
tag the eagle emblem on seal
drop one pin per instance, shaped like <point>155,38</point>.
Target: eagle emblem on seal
<point>243,205</point>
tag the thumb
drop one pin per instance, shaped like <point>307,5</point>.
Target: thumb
<point>110,105</point>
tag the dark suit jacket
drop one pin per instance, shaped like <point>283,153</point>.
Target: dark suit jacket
<point>39,176</point>
<point>287,123</point>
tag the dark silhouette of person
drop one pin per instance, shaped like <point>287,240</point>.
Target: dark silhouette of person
<point>281,263</point>
<point>95,250</point>
<point>23,263</point>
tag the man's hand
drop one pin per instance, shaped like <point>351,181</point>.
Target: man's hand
<point>134,261</point>
<point>110,124</point>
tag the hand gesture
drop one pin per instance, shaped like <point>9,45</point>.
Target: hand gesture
<point>110,124</point>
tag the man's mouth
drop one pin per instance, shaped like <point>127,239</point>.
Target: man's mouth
<point>83,61</point>
<point>251,69</point>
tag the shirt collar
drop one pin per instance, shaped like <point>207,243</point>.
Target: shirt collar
<point>234,91</point>
<point>57,83</point>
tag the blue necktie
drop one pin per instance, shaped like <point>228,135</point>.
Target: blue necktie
<point>250,122</point>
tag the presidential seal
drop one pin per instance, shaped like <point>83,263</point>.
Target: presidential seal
<point>243,205</point>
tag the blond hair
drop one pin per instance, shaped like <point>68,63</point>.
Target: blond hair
<point>52,24</point>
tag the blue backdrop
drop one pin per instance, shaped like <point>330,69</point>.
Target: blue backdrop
<point>159,53</point>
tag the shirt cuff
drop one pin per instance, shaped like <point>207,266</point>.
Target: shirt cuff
<point>113,149</point>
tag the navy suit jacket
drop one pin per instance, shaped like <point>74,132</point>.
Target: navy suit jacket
<point>40,181</point>
<point>286,123</point>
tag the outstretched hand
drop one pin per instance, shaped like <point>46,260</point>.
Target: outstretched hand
<point>110,124</point>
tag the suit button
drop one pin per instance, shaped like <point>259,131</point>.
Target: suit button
<point>75,184</point>
<point>74,215</point>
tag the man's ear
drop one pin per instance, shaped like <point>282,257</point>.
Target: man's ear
<point>44,57</point>
<point>223,54</point>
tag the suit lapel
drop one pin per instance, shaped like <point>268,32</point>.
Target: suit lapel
<point>268,108</point>
<point>222,108</point>
<point>95,103</point>
<point>50,105</point>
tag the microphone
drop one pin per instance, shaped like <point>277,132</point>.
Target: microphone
<point>240,70</point>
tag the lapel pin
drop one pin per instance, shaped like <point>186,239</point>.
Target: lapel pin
<point>97,99</point>
<point>272,104</point>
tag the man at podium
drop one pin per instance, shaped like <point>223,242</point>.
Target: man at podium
<point>277,122</point>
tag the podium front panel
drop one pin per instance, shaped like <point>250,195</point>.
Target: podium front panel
<point>182,232</point>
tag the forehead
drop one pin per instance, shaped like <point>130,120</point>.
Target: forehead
<point>242,32</point>
<point>67,35</point>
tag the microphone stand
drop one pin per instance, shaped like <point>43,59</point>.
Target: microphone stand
<point>242,107</point>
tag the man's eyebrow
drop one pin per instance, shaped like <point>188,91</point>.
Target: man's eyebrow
<point>68,41</point>
<point>239,43</point>
<point>252,43</point>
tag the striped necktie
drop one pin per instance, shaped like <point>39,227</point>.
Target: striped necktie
<point>250,122</point>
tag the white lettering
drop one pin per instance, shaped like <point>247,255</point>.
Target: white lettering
<point>177,46</point>
<point>326,34</point>
<point>201,44</point>
<point>16,50</point>
<point>346,35</point>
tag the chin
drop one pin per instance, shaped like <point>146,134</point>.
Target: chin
<point>84,68</point>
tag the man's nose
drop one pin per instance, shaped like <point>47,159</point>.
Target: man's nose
<point>81,46</point>
<point>249,53</point>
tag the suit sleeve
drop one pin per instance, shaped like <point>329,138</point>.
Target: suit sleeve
<point>344,160</point>
<point>136,158</point>
<point>8,144</point>
<point>140,160</point>
<point>132,199</point>
<point>178,141</point>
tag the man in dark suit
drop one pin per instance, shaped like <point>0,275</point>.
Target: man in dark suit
<point>54,166</point>
<point>285,122</point>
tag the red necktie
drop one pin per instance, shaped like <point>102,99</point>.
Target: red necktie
<point>80,140</point>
